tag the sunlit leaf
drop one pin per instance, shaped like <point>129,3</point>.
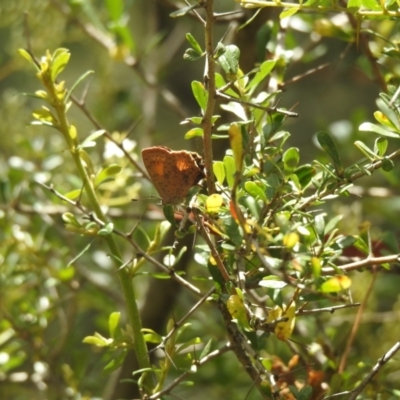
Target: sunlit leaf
<point>200,94</point>
<point>238,311</point>
<point>193,42</point>
<point>219,171</point>
<point>236,141</point>
<point>369,127</point>
<point>336,284</point>
<point>214,203</point>
<point>194,132</point>
<point>113,323</point>
<point>107,173</point>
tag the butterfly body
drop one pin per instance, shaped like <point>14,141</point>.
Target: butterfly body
<point>173,173</point>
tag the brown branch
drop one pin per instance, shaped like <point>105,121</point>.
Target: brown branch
<point>180,378</point>
<point>330,310</point>
<point>367,262</point>
<point>209,80</point>
<point>381,362</point>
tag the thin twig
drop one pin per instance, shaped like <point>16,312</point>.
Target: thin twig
<point>367,262</point>
<point>330,310</point>
<point>381,362</point>
<point>180,378</point>
<point>138,249</point>
<point>185,317</point>
<point>359,174</point>
<point>214,251</point>
<point>254,105</point>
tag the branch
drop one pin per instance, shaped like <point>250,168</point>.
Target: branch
<point>381,362</point>
<point>330,310</point>
<point>199,363</point>
<point>359,174</point>
<point>254,105</point>
<point>209,81</point>
<point>368,262</point>
<point>138,249</point>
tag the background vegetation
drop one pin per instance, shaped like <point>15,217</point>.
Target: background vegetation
<point>58,279</point>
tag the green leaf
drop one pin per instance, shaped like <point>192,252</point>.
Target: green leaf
<point>219,50</point>
<point>369,127</point>
<point>346,241</point>
<point>70,218</point>
<point>193,42</point>
<point>66,274</point>
<point>27,56</point>
<point>115,9</point>
<point>387,164</point>
<point>328,145</point>
<point>187,344</point>
<point>354,3</point>
<point>151,336</point>
<point>59,62</point>
<point>380,147</point>
<point>232,230</point>
<point>107,173</point>
<point>194,120</point>
<point>194,132</point>
<point>170,215</point>
<point>265,68</point>
<point>255,190</point>
<point>73,194</point>
<point>220,82</point>
<point>97,340</point>
<point>44,115</point>
<point>200,94</point>
<point>90,140</point>
<point>332,224</point>
<point>206,349</point>
<point>291,158</point>
<point>371,5</point>
<point>229,60</point>
<point>235,108</point>
<point>365,150</point>
<point>237,310</point>
<point>230,170</point>
<point>305,393</point>
<point>219,171</point>
<point>319,223</point>
<point>336,284</point>
<point>304,174</point>
<point>288,12</point>
<point>107,230</point>
<point>382,119</point>
<point>76,83</point>
<point>191,55</point>
<point>388,112</point>
<point>113,323</point>
<point>84,155</point>
<point>272,282</point>
<point>116,362</point>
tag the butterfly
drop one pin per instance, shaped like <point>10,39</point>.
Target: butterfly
<point>173,173</point>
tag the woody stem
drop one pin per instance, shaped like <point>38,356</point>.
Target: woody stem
<point>209,80</point>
